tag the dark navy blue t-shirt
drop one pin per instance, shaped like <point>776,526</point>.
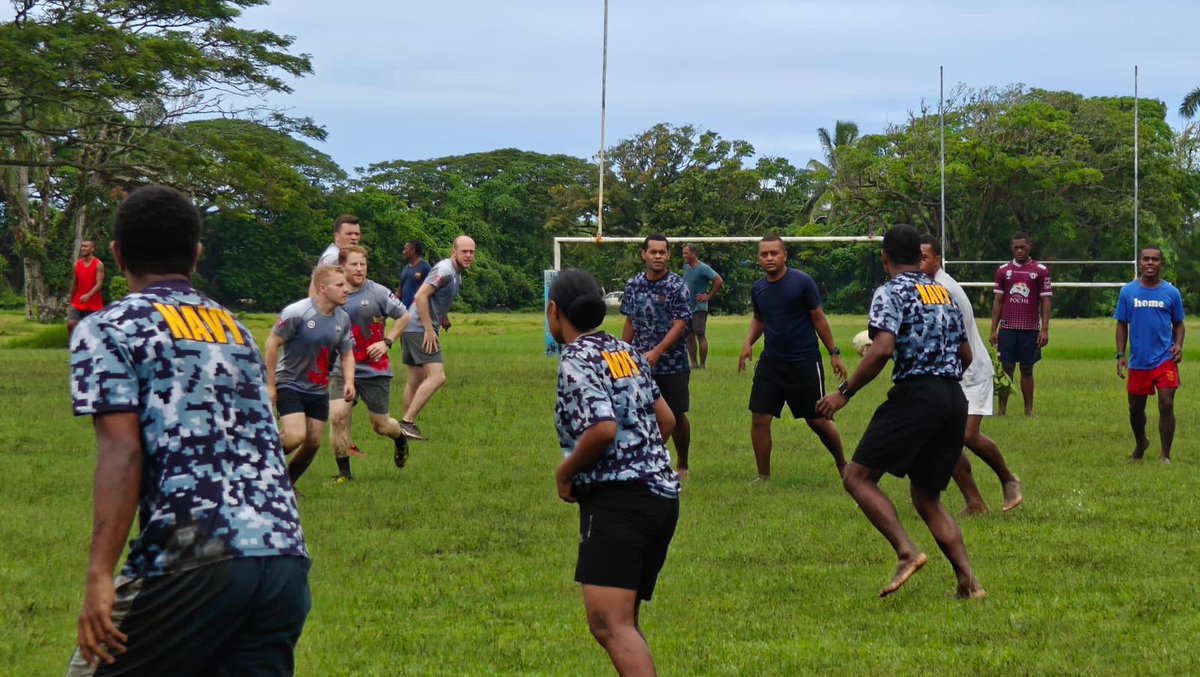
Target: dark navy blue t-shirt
<point>411,278</point>
<point>784,307</point>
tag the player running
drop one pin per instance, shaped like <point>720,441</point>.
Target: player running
<point>611,423</point>
<point>312,332</point>
<point>369,306</point>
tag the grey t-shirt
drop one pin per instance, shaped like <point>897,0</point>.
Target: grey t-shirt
<point>311,342</point>
<point>368,308</point>
<point>446,281</point>
<point>329,257</point>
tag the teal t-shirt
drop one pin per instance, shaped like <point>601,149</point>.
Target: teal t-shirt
<point>698,279</point>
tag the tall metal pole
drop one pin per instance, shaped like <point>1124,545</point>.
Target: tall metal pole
<point>603,96</point>
<point>942,148</point>
<point>1136,252</point>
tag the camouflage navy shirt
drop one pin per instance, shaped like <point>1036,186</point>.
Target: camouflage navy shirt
<point>653,307</point>
<point>927,325</point>
<point>311,343</point>
<point>368,308</point>
<point>214,481</point>
<point>603,379</point>
<point>446,280</point>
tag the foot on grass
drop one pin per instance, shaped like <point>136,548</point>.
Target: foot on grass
<point>683,473</point>
<point>1012,494</point>
<point>1165,460</point>
<point>904,571</point>
<point>973,510</point>
<point>760,481</point>
<point>970,590</point>
<point>1139,451</point>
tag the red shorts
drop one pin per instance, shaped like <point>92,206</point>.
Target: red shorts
<point>1146,382</point>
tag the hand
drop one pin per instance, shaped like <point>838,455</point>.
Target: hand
<point>1121,364</point>
<point>348,392</point>
<point>703,298</point>
<point>446,322</point>
<point>838,367</point>
<point>747,353</point>
<point>831,404</point>
<point>377,350</point>
<point>271,394</point>
<point>994,339</point>
<point>564,486</point>
<point>430,343</point>
<point>1043,338</point>
<point>99,637</point>
<point>652,357</point>
<point>86,297</point>
<point>1176,353</point>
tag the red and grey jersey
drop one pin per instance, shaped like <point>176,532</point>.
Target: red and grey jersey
<point>1022,287</point>
<point>311,342</point>
<point>368,308</point>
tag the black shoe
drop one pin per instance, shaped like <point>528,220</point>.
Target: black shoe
<point>400,458</point>
<point>411,430</point>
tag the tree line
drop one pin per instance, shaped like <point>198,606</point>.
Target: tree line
<point>97,98</point>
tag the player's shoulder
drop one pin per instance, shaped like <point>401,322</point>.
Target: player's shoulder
<point>298,310</point>
<point>1041,267</point>
<point>636,281</point>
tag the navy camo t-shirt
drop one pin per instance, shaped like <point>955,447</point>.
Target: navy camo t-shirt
<point>214,481</point>
<point>603,379</point>
<point>653,307</point>
<point>926,323</point>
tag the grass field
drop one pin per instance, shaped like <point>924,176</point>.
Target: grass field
<point>462,563</point>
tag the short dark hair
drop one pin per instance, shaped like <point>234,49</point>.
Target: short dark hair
<point>654,238</point>
<point>157,229</point>
<point>692,247</point>
<point>1151,246</point>
<point>418,246</point>
<point>344,218</point>
<point>577,295</point>
<point>935,245</point>
<point>902,244</point>
<point>774,238</point>
<point>1021,235</point>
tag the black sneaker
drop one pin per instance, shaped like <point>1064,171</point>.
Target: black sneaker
<point>411,430</point>
<point>401,456</point>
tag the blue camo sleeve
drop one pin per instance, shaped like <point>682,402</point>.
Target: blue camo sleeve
<point>103,378</point>
<point>681,306</point>
<point>627,299</point>
<point>885,313</point>
<point>584,391</point>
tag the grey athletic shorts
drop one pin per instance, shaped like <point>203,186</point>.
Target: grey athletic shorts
<point>414,354</point>
<point>376,392</point>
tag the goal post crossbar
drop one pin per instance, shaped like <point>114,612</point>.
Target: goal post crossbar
<point>559,241</point>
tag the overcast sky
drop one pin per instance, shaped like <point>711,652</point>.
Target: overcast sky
<point>413,80</point>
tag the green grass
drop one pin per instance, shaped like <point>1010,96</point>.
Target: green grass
<point>462,563</point>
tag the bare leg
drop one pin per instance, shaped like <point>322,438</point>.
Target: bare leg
<point>829,436</point>
<point>435,377</point>
<point>949,538</point>
<point>862,483</point>
<point>683,440</point>
<point>966,484</point>
<point>1166,422</point>
<point>415,376</point>
<point>292,431</point>
<point>339,427</point>
<point>760,439</point>
<point>691,347</point>
<point>703,343</point>
<point>385,425</point>
<point>307,451</point>
<point>1008,368</point>
<point>987,449</point>
<point>612,617</point>
<point>1027,388</point>
<point>1137,421</point>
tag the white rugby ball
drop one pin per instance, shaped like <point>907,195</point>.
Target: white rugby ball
<point>862,341</point>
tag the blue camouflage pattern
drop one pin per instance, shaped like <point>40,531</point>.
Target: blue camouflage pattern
<point>653,307</point>
<point>603,379</point>
<point>214,481</point>
<point>926,322</point>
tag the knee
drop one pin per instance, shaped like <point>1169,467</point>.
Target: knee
<point>1026,371</point>
<point>311,444</point>
<point>436,380</point>
<point>339,420</point>
<point>760,423</point>
<point>379,425</point>
<point>600,626</point>
<point>1166,407</point>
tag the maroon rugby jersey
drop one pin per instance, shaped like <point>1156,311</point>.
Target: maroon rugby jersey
<point>1022,288</point>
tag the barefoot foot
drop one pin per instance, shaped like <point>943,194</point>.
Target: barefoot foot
<point>973,510</point>
<point>1139,451</point>
<point>1012,494</point>
<point>970,591</point>
<point>904,571</point>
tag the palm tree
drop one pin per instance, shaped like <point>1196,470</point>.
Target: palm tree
<point>845,134</point>
<point>1191,104</point>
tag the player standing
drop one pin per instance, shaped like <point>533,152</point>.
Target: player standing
<point>787,308</point>
<point>346,232</point>
<point>415,270</point>
<point>918,431</point>
<point>978,388</point>
<point>612,424</point>
<point>1021,317</point>
<point>87,279</point>
<point>657,308</point>
<point>369,306</point>
<point>312,332</point>
<point>1150,315</point>
<point>216,581</point>
<point>704,283</point>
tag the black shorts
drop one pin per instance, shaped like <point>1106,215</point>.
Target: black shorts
<point>1019,346</point>
<point>675,389</point>
<point>918,431</point>
<point>314,406</point>
<point>624,533</point>
<point>235,617</point>
<point>800,384</point>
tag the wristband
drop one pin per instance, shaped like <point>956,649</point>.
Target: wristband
<point>844,389</point>
<point>835,352</point>
<point>388,341</point>
<point>1120,355</point>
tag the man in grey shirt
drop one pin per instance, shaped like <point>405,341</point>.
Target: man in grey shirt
<point>346,232</point>
<point>422,350</point>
